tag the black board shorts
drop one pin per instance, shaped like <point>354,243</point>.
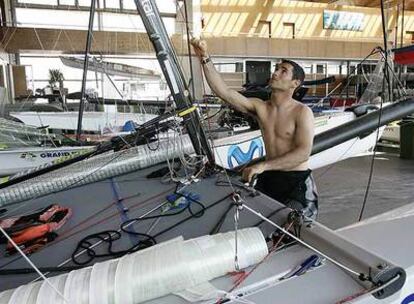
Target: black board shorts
<point>295,189</point>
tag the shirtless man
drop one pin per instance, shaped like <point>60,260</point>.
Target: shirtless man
<point>287,128</point>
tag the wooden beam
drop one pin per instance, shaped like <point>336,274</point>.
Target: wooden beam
<point>289,48</point>
<point>62,7</point>
<point>55,41</point>
<point>31,40</point>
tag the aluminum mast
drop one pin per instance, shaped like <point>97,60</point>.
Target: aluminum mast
<point>173,73</point>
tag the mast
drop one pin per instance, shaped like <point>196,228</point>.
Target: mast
<point>173,74</point>
<point>85,68</point>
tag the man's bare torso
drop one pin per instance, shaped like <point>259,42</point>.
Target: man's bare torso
<point>278,126</point>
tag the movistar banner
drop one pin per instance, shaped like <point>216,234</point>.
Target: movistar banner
<point>235,153</point>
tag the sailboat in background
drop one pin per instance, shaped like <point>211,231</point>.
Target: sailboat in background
<point>112,68</point>
<point>110,121</point>
<point>23,147</point>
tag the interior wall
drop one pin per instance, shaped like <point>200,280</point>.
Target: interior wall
<point>231,18</point>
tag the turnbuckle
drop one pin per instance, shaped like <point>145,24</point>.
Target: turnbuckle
<point>237,200</point>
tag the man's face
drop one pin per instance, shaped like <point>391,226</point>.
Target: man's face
<point>282,78</point>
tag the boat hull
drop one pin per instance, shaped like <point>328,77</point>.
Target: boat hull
<point>240,149</point>
<point>17,160</point>
<point>91,121</point>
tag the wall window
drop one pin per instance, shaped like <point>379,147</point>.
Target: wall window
<point>164,6</point>
<point>288,30</point>
<point>116,15</point>
<point>113,4</point>
<point>46,2</point>
<point>265,28</point>
<point>67,2</point>
<point>121,15</point>
<point>411,35</point>
<point>320,69</point>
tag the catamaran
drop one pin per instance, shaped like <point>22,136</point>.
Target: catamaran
<point>23,147</point>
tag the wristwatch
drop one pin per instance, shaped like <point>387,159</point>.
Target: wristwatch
<point>205,60</point>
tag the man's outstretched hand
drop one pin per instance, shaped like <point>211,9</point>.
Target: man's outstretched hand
<point>251,171</point>
<point>200,47</point>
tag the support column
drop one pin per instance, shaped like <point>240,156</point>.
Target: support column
<point>10,12</point>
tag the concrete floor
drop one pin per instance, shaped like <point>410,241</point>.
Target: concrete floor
<point>342,188</point>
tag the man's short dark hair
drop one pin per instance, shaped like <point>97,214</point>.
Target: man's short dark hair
<point>297,73</point>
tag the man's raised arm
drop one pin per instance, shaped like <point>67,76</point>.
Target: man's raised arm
<point>217,85</point>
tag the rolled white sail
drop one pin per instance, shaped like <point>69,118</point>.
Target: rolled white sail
<point>151,273</point>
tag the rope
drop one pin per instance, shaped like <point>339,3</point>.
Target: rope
<point>109,235</point>
<point>302,242</point>
<point>372,291</point>
<point>33,265</point>
<point>243,275</point>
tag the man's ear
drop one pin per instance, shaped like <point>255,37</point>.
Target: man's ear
<point>296,83</point>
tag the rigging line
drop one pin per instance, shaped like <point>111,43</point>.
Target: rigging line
<point>348,78</point>
<point>371,291</point>
<point>320,102</point>
<point>271,251</point>
<point>190,61</point>
<point>213,115</point>
<point>128,223</point>
<point>188,44</point>
<point>371,170</point>
<point>74,183</point>
<point>300,241</point>
<point>189,37</point>
<point>335,163</point>
<point>99,150</point>
<point>87,51</point>
<point>385,43</point>
<point>41,275</point>
<point>197,214</point>
<point>111,80</point>
<point>394,75</point>
<point>171,167</point>
<point>102,241</point>
<point>25,101</point>
<point>130,208</point>
<point>67,235</point>
<point>83,177</point>
<point>191,216</point>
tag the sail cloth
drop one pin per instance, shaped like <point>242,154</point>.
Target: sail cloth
<point>96,169</point>
<point>404,55</point>
<point>157,271</point>
<point>375,84</point>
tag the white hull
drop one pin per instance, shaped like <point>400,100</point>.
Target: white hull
<point>112,68</point>
<point>17,160</point>
<point>237,150</point>
<point>392,133</point>
<point>91,122</point>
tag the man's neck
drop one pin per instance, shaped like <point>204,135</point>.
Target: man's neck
<point>279,98</point>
